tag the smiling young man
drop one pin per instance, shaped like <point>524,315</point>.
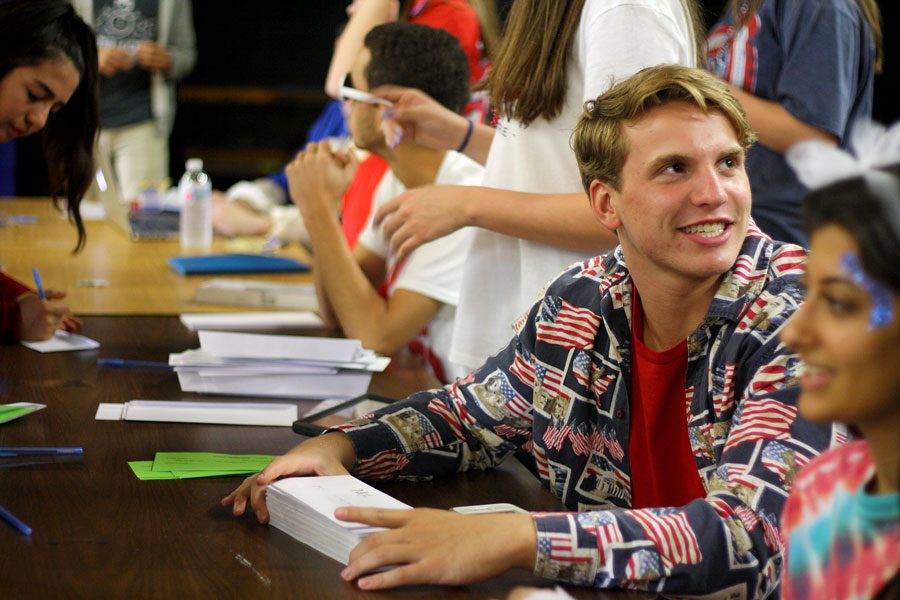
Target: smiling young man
<point>647,388</point>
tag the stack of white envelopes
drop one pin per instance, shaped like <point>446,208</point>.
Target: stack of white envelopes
<point>280,366</point>
<point>303,507</point>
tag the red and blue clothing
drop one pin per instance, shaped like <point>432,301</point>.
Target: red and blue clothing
<point>843,543</point>
<point>816,58</point>
<point>557,397</point>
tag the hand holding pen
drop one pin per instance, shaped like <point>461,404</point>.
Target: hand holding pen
<point>41,314</point>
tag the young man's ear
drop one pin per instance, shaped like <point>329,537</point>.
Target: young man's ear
<point>604,203</point>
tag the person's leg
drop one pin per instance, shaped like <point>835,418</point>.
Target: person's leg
<point>140,157</point>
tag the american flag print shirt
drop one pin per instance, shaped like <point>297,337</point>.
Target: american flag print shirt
<point>557,398</point>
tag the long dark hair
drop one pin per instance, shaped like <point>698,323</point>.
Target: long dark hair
<point>31,32</point>
<point>868,207</point>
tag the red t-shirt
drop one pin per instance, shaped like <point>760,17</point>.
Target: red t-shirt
<point>458,19</point>
<point>357,202</point>
<point>663,470</point>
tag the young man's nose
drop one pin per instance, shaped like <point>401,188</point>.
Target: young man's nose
<point>709,188</point>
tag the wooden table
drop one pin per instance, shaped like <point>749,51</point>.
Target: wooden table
<point>139,279</point>
<point>101,533</point>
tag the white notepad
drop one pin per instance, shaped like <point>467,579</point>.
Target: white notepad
<point>63,341</point>
<point>249,321</point>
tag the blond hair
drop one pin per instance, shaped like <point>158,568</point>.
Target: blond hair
<point>599,137</point>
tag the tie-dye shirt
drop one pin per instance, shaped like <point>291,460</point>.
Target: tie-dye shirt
<point>558,398</point>
<point>843,543</point>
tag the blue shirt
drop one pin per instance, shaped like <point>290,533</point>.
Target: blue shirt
<point>817,59</point>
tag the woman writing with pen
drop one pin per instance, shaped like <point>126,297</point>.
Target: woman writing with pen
<point>48,81</point>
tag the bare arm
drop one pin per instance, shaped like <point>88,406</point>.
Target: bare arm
<point>345,285</point>
<point>424,214</point>
<point>346,280</point>
<point>776,127</point>
<point>369,14</point>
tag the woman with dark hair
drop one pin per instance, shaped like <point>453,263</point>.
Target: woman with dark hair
<point>841,523</point>
<point>48,81</point>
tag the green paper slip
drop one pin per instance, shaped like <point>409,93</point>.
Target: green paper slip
<point>143,470</point>
<point>210,461</point>
<point>10,412</point>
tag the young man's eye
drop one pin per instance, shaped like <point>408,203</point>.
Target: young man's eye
<point>731,162</point>
<point>674,168</point>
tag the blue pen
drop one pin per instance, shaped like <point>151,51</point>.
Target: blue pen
<point>38,283</point>
<point>39,450</point>
<point>14,521</point>
<point>131,364</point>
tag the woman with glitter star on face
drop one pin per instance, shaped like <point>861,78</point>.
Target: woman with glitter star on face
<point>842,521</point>
<point>48,82</point>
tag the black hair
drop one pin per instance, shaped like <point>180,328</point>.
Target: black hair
<point>31,32</point>
<point>868,207</point>
<point>421,57</point>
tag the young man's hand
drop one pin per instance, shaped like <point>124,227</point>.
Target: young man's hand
<point>318,176</point>
<point>329,454</point>
<point>437,546</point>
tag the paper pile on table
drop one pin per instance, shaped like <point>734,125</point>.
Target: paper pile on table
<point>279,366</point>
<point>303,507</point>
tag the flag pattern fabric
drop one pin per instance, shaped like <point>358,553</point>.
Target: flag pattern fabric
<point>557,397</point>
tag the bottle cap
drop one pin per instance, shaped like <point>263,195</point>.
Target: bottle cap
<point>193,164</point>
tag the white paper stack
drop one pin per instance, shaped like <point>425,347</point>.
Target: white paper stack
<point>270,294</point>
<point>278,366</point>
<point>246,321</point>
<point>303,507</point>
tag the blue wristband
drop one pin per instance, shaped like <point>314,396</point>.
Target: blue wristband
<point>465,141</point>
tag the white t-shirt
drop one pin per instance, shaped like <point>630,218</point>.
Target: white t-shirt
<point>505,275</point>
<point>434,269</point>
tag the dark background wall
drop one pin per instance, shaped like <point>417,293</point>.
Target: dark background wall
<point>258,81</point>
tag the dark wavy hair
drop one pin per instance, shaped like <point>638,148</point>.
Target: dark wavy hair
<point>31,32</point>
<point>421,57</point>
<point>868,207</point>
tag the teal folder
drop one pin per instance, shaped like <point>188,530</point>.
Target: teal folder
<point>235,263</point>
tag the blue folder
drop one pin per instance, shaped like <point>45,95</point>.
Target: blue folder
<point>235,263</point>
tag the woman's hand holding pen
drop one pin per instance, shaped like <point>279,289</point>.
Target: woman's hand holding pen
<point>39,319</point>
<point>329,454</point>
<point>422,119</point>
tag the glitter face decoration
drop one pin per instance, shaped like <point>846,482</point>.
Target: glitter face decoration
<point>882,308</point>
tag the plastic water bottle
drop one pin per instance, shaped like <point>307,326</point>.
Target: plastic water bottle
<point>195,190</point>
